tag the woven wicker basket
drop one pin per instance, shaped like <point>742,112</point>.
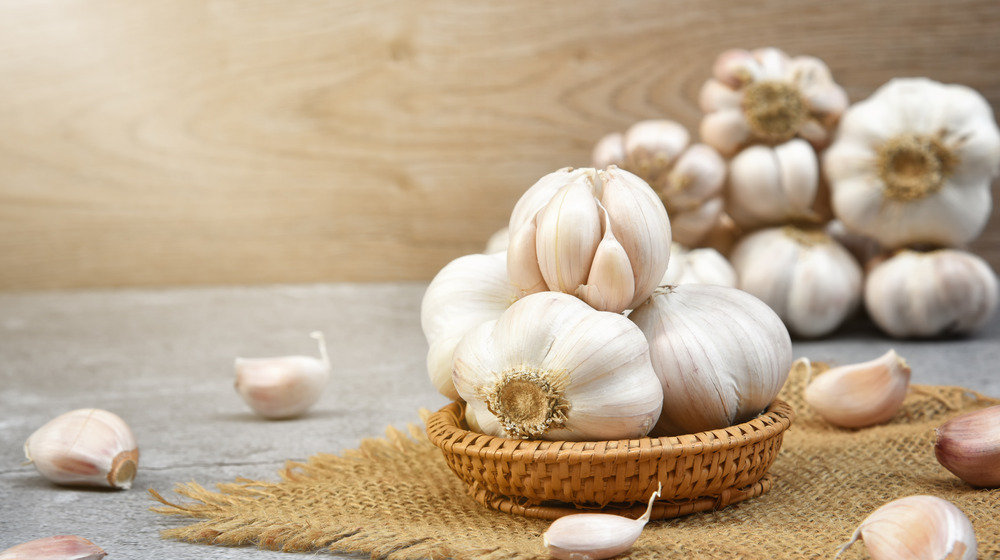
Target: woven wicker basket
<point>549,479</point>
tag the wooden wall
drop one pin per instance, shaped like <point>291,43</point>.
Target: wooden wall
<point>176,142</point>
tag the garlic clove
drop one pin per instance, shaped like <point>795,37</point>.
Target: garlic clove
<point>59,547</point>
<point>715,96</point>
<point>283,387</point>
<point>652,147</point>
<point>609,150</point>
<point>694,227</point>
<point>87,446</point>
<point>736,68</point>
<point>917,528</point>
<point>698,175</point>
<point>968,445</point>
<point>773,185</point>
<point>595,536</point>
<point>703,265</point>
<point>539,194</point>
<point>569,230</point>
<point>610,285</point>
<point>861,394</point>
<point>725,130</point>
<point>522,260</point>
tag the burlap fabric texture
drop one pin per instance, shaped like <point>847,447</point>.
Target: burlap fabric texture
<point>395,497</point>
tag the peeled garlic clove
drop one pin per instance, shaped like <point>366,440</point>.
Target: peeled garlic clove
<point>969,446</point>
<point>917,528</point>
<point>283,387</point>
<point>594,536</point>
<point>862,394</point>
<point>60,547</point>
<point>87,446</point>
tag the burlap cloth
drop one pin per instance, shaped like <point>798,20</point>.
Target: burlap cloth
<point>395,497</point>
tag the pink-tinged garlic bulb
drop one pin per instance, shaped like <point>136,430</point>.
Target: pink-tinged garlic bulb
<point>766,96</point>
<point>85,447</point>
<point>913,163</point>
<point>917,528</point>
<point>968,445</point>
<point>285,386</point>
<point>60,547</point>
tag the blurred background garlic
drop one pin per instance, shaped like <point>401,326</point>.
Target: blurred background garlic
<point>912,164</point>
<point>87,447</point>
<point>601,235</point>
<point>551,367</point>
<point>812,282</point>
<point>766,96</point>
<point>925,294</point>
<point>498,241</point>
<point>917,527</point>
<point>861,394</point>
<point>466,292</point>
<point>721,355</point>
<point>285,386</point>
<point>703,265</point>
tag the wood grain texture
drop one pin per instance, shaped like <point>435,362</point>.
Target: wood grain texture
<point>243,142</point>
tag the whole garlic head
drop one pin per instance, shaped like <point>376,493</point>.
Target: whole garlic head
<point>87,446</point>
<point>721,355</point>
<point>551,367</point>
<point>913,163</point>
<point>603,236</point>
<point>285,386</point>
<point>703,265</point>
<point>811,281</point>
<point>925,294</point>
<point>766,96</point>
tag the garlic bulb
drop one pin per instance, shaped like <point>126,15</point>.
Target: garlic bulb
<point>765,96</point>
<point>968,445</point>
<point>595,536</point>
<point>60,547</point>
<point>861,394</point>
<point>468,291</point>
<point>913,163</point>
<point>811,281</point>
<point>924,294</point>
<point>917,528</point>
<point>551,367</point>
<point>603,236</point>
<point>698,266</point>
<point>720,353</point>
<point>88,447</point>
<point>775,185</point>
<point>497,243</point>
<point>283,387</point>
<point>609,150</point>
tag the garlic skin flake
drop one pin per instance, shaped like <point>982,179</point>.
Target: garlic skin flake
<point>913,164</point>
<point>59,547</point>
<point>603,236</point>
<point>968,445</point>
<point>926,294</point>
<point>861,394</point>
<point>917,528</point>
<point>85,447</point>
<point>703,265</point>
<point>283,387</point>
<point>551,367</point>
<point>721,355</point>
<point>812,282</point>
<point>595,536</point>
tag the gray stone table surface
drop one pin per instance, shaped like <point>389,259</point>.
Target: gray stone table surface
<point>163,360</point>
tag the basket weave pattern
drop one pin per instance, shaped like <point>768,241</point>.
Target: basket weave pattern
<point>550,478</point>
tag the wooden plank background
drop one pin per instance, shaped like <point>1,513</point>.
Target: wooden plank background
<point>166,142</point>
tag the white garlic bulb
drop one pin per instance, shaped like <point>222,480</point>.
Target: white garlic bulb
<point>968,445</point>
<point>765,96</point>
<point>703,265</point>
<point>861,394</point>
<point>924,294</point>
<point>775,185</point>
<point>497,243</point>
<point>603,236</point>
<point>466,292</point>
<point>720,353</point>
<point>283,387</point>
<point>59,547</point>
<point>551,367</point>
<point>917,528</point>
<point>595,536</point>
<point>913,163</point>
<point>87,446</point>
<point>812,282</point>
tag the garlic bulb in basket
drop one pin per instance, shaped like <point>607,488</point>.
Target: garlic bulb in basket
<point>913,163</point>
<point>551,367</point>
<point>720,353</point>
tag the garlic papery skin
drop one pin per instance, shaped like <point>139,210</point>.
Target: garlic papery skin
<point>595,536</point>
<point>85,447</point>
<point>703,265</point>
<point>766,96</point>
<point>59,547</point>
<point>861,394</point>
<point>812,282</point>
<point>466,292</point>
<point>283,387</point>
<point>551,367</point>
<point>968,445</point>
<point>721,355</point>
<point>926,294</point>
<point>777,185</point>
<point>601,235</point>
<point>917,528</point>
<point>913,163</point>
